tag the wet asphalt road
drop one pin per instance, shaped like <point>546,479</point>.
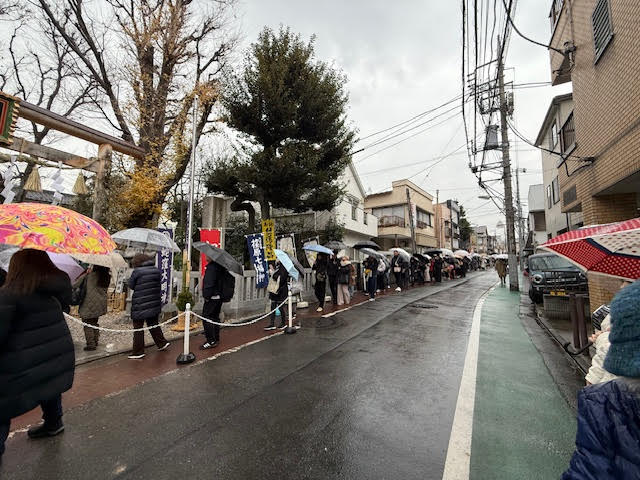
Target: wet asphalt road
<point>366,394</point>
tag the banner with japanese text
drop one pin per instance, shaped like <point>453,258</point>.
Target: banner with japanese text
<point>269,238</point>
<point>212,237</point>
<point>164,262</point>
<point>255,244</point>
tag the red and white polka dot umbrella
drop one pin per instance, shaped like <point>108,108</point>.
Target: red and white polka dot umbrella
<point>612,249</point>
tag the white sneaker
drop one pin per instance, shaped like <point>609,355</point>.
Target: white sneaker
<point>164,347</point>
<point>372,299</point>
<point>136,357</point>
<point>319,309</point>
<point>398,289</point>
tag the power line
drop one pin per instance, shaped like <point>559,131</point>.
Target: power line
<point>548,47</point>
<point>414,118</point>
<point>407,138</point>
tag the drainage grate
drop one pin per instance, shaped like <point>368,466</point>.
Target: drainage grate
<point>424,305</point>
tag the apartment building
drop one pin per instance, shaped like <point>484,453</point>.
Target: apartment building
<point>394,211</point>
<point>554,130</point>
<point>482,241</point>
<point>599,172</point>
<point>536,220</point>
<point>447,228</point>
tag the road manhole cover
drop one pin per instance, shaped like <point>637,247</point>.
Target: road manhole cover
<point>424,305</point>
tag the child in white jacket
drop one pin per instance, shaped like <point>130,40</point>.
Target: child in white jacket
<point>597,373</point>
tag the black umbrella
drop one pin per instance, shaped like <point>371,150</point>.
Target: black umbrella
<point>335,245</point>
<point>367,244</point>
<point>219,256</point>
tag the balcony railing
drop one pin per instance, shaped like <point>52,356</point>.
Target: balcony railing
<point>391,221</point>
<point>423,224</point>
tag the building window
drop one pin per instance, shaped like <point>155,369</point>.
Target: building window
<point>354,209</point>
<point>602,27</point>
<point>554,135</point>
<point>555,190</point>
<point>424,219</point>
<point>554,14</point>
<point>393,216</point>
<point>549,198</point>
<point>568,135</point>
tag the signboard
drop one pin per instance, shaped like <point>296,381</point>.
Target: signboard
<point>9,107</point>
<point>211,236</point>
<point>269,234</point>
<point>414,214</point>
<point>255,243</point>
<point>164,262</point>
<point>311,256</point>
<point>287,243</point>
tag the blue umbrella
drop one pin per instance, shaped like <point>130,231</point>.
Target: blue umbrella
<point>287,263</point>
<point>318,248</point>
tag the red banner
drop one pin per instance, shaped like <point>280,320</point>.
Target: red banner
<point>212,237</point>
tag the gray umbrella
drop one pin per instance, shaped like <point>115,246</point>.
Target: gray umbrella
<point>219,256</point>
<point>371,253</point>
<point>335,245</point>
<point>144,238</point>
<point>367,244</point>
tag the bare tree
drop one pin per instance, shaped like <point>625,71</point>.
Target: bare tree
<point>40,70</point>
<point>149,59</point>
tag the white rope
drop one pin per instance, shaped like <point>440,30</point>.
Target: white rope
<point>121,330</point>
<point>243,324</point>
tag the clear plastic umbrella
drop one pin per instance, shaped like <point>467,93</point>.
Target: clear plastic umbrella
<point>145,238</point>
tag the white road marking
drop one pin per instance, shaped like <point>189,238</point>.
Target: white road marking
<point>456,466</point>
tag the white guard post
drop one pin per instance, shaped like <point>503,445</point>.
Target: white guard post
<point>290,328</point>
<point>186,356</point>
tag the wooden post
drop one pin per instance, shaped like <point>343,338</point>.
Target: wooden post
<point>100,191</point>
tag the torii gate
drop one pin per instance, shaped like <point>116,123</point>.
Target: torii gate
<point>11,108</point>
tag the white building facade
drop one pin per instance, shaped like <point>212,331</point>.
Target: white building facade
<point>553,131</point>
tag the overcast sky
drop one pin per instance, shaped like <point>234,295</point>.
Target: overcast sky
<point>403,58</point>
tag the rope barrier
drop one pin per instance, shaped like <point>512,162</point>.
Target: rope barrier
<point>121,330</point>
<point>243,324</point>
<point>143,329</point>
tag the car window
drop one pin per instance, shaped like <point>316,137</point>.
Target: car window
<point>550,262</point>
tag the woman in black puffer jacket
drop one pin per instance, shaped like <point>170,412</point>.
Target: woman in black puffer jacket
<point>37,360</point>
<point>146,303</point>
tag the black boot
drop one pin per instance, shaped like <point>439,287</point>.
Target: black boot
<point>46,429</point>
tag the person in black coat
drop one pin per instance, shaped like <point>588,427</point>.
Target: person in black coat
<point>371,268</point>
<point>320,286</point>
<point>211,291</point>
<point>37,360</point>
<point>399,267</point>
<point>332,273</point>
<point>437,269</point>
<point>146,303</point>
<point>282,277</point>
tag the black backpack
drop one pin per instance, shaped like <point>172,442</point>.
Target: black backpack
<point>228,287</point>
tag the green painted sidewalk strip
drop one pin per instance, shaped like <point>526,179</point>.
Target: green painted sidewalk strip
<point>522,427</point>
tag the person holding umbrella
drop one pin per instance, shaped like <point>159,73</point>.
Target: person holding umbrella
<point>320,272</point>
<point>278,292</point>
<point>146,304</point>
<point>94,303</point>
<point>37,360</point>
<point>211,291</point>
<point>332,274</point>
<point>218,287</point>
<point>399,267</point>
<point>371,270</point>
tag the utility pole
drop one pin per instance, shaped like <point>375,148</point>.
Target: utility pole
<point>438,226</point>
<point>520,226</point>
<point>514,284</point>
<point>411,221</point>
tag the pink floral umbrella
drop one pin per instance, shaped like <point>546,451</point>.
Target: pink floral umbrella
<point>53,229</point>
<point>612,249</point>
